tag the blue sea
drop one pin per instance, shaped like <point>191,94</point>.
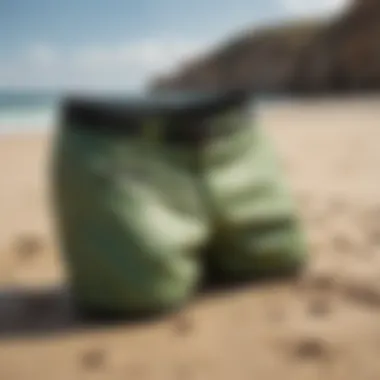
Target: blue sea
<point>28,111</point>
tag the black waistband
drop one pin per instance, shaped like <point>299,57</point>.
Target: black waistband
<point>176,120</point>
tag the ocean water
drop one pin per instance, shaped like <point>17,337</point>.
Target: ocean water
<point>27,111</point>
<point>38,112</point>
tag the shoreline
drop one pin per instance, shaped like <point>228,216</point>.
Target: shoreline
<point>260,104</point>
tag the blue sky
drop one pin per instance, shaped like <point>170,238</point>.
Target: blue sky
<point>120,44</point>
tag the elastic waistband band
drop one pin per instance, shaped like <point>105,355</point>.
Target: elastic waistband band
<point>172,120</point>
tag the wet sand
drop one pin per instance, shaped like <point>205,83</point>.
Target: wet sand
<point>326,325</point>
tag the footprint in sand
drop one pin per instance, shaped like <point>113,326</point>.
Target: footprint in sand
<point>183,324</point>
<point>93,359</point>
<point>318,280</point>
<point>370,223</point>
<point>28,246</point>
<point>310,348</point>
<point>364,292</point>
<point>319,307</point>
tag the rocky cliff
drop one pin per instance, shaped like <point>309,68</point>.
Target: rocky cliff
<point>321,56</point>
<point>345,56</point>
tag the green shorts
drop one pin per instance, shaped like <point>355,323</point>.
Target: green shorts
<point>145,196</point>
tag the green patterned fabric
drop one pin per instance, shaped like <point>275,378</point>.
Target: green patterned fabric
<point>135,213</point>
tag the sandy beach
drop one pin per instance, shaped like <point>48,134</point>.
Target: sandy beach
<point>325,325</point>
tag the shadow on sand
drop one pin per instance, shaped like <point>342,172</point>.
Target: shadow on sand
<point>36,312</point>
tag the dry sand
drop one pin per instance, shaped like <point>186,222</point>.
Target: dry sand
<point>324,326</point>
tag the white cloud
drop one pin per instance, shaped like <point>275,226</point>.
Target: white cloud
<point>124,66</point>
<point>313,7</point>
<point>150,55</point>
